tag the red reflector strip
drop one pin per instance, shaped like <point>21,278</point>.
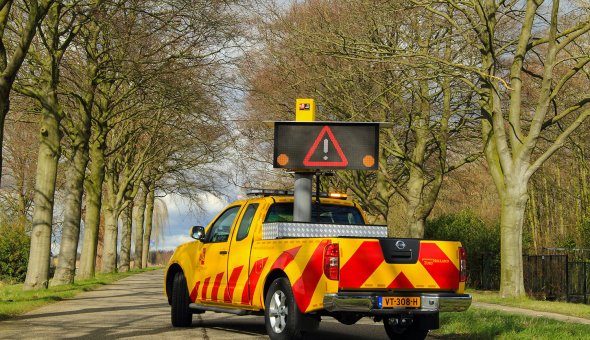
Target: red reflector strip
<point>439,266</point>
<point>216,286</point>
<point>305,286</point>
<point>365,260</point>
<point>231,285</point>
<point>205,286</point>
<point>253,280</point>
<point>285,258</point>
<point>195,291</point>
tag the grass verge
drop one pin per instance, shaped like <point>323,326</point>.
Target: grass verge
<point>485,324</point>
<point>14,301</point>
<point>571,309</point>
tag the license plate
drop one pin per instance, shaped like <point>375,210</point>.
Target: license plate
<point>399,301</point>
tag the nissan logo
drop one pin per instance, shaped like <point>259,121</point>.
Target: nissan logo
<point>400,245</point>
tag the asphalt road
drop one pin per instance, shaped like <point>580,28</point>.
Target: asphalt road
<point>136,307</point>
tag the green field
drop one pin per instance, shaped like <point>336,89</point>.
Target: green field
<point>15,301</point>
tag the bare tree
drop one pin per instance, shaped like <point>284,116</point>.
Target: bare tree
<point>429,111</point>
<point>20,144</point>
<point>520,46</point>
<point>149,222</point>
<point>76,126</point>
<point>56,35</point>
<point>507,50</point>
<point>136,149</point>
<point>139,218</point>
<point>18,26</point>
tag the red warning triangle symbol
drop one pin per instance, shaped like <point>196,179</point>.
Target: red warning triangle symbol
<point>326,130</point>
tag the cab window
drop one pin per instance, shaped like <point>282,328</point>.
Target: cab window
<point>246,221</point>
<point>219,231</point>
<point>325,213</point>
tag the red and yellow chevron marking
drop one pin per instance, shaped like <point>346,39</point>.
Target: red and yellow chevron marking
<point>231,285</point>
<point>205,286</point>
<point>285,258</point>
<point>195,291</point>
<point>365,267</point>
<point>363,263</point>
<point>439,266</point>
<point>302,261</point>
<point>253,280</point>
<point>401,282</point>
<point>362,267</point>
<point>304,287</point>
<point>215,290</point>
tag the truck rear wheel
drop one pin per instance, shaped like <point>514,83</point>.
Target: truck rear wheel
<point>282,317</point>
<point>180,313</point>
<point>412,332</point>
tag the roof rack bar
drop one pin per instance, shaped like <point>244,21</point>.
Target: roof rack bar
<point>278,192</point>
<point>268,192</point>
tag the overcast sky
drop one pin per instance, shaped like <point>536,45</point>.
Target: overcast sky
<point>181,218</point>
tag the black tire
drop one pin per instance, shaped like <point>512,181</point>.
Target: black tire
<point>180,313</point>
<point>282,317</point>
<point>411,332</point>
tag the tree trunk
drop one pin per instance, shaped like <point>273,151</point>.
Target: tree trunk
<point>66,267</point>
<point>417,182</point>
<point>111,230</point>
<point>415,218</point>
<point>514,200</point>
<point>139,220</point>
<point>93,187</point>
<point>127,216</point>
<point>22,200</point>
<point>417,225</point>
<point>149,219</point>
<point>40,253</point>
<point>4,107</point>
<point>549,223</point>
<point>533,210</point>
<point>584,180</point>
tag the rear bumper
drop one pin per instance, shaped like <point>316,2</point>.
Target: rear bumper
<point>369,303</point>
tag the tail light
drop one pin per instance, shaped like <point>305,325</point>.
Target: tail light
<point>332,261</point>
<point>462,264</point>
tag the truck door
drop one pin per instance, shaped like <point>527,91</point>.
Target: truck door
<point>213,257</point>
<point>238,264</point>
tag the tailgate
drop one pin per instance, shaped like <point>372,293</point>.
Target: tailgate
<point>401,264</point>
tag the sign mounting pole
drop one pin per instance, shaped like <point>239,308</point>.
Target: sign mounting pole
<point>304,112</point>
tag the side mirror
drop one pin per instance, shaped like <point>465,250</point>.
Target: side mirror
<point>198,233</point>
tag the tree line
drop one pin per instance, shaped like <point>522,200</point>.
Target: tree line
<point>472,87</point>
<point>119,102</point>
<point>489,102</point>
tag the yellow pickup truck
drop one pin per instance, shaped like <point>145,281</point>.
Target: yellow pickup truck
<point>253,259</point>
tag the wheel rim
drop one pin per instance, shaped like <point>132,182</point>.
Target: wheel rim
<point>278,311</point>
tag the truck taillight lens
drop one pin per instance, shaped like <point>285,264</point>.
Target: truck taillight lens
<point>332,261</point>
<point>462,264</point>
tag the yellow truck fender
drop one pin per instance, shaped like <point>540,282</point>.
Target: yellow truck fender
<point>182,261</point>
